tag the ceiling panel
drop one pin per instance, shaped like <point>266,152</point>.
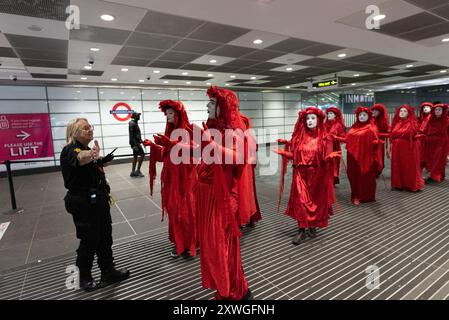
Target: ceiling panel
<point>442,11</point>
<point>232,51</point>
<point>241,63</point>
<point>86,72</point>
<point>427,4</point>
<point>427,68</point>
<point>41,54</point>
<point>152,41</point>
<point>7,52</point>
<point>425,33</point>
<point>36,43</point>
<point>156,22</point>
<point>99,34</point>
<point>187,78</point>
<point>49,76</point>
<point>417,21</point>
<point>196,46</point>
<point>292,45</point>
<point>313,62</point>
<point>262,55</point>
<point>127,61</point>
<point>44,63</point>
<point>247,39</point>
<point>140,53</point>
<point>179,56</point>
<point>318,50</point>
<point>52,10</point>
<point>197,67</point>
<point>217,33</point>
<point>166,64</point>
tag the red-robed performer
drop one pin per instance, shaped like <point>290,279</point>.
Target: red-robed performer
<point>312,189</point>
<point>406,172</point>
<point>177,180</point>
<point>424,116</point>
<point>436,145</point>
<point>224,200</point>
<point>382,122</point>
<point>362,145</point>
<point>335,126</point>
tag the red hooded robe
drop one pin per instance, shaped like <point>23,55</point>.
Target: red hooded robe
<point>337,128</point>
<point>177,183</point>
<point>406,170</point>
<point>382,123</point>
<point>436,146</point>
<point>221,204</point>
<point>362,143</point>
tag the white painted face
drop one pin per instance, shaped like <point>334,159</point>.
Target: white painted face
<point>363,116</point>
<point>403,113</point>
<point>427,109</point>
<point>438,111</point>
<point>311,121</point>
<point>170,115</point>
<point>212,108</point>
<point>330,115</point>
<point>376,113</point>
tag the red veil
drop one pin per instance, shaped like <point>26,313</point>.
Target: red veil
<point>339,118</point>
<point>422,115</point>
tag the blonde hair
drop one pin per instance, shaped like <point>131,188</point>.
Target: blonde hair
<point>72,130</point>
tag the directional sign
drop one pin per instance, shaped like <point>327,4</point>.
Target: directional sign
<point>25,136</point>
<point>326,83</point>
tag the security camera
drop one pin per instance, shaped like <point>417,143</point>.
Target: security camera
<point>91,61</point>
<point>148,77</point>
<point>13,77</point>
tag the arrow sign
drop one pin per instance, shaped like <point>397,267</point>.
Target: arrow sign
<point>24,135</point>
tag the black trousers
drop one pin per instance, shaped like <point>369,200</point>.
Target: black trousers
<point>94,229</point>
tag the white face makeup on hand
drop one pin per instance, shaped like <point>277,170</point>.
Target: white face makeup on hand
<point>427,109</point>
<point>330,115</point>
<point>311,121</point>
<point>363,116</point>
<point>212,108</point>
<point>376,113</point>
<point>403,113</point>
<point>438,111</point>
<point>170,115</point>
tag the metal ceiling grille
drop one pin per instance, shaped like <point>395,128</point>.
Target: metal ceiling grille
<point>45,9</point>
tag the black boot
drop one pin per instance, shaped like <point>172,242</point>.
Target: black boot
<point>299,237</point>
<point>312,232</point>
<point>87,283</point>
<point>113,276</point>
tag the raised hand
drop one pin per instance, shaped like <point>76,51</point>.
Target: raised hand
<point>96,150</point>
<point>148,143</point>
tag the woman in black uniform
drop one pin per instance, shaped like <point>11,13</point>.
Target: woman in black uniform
<point>87,200</point>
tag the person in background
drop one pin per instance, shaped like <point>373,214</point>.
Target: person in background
<point>382,122</point>
<point>135,141</point>
<point>335,126</point>
<point>88,201</point>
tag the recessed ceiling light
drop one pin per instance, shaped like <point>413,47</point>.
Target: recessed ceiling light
<point>78,91</point>
<point>232,76</point>
<point>353,84</point>
<point>188,82</point>
<point>409,66</point>
<point>445,40</point>
<point>443,71</point>
<point>107,17</point>
<point>213,61</point>
<point>122,92</point>
<point>114,79</point>
<point>289,69</point>
<point>379,17</point>
<point>185,73</point>
<point>124,69</point>
<point>87,67</point>
<point>101,92</point>
<point>165,81</point>
<point>209,84</point>
<point>227,84</point>
<point>357,75</point>
<point>287,87</point>
<point>156,71</point>
<point>342,55</point>
<point>210,75</point>
<point>258,41</point>
<point>83,78</point>
<point>141,80</point>
<point>253,78</point>
<point>94,49</point>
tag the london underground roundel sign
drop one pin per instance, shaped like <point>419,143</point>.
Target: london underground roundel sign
<point>121,111</point>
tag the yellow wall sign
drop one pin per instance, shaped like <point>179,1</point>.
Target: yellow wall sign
<point>326,83</point>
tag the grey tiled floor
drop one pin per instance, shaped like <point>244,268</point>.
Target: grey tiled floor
<point>405,235</point>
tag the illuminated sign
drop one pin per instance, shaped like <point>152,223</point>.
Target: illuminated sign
<point>326,83</point>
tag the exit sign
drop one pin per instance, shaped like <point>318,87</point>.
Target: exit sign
<point>326,83</point>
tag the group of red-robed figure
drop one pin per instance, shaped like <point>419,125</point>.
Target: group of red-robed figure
<point>208,203</point>
<point>412,144</point>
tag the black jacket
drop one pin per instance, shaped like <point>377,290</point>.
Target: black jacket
<point>135,137</point>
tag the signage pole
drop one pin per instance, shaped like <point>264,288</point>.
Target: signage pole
<point>11,189</point>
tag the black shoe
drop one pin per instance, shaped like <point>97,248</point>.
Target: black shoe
<point>248,295</point>
<point>133,174</point>
<point>299,237</point>
<point>251,224</point>
<point>174,253</point>
<point>429,180</point>
<point>139,174</point>
<point>311,232</point>
<point>89,285</point>
<point>113,276</point>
